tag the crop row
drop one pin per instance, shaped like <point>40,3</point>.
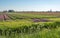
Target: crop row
<point>30,16</point>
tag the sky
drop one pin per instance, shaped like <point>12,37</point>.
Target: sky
<point>30,5</point>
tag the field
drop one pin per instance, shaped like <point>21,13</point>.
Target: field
<point>30,25</point>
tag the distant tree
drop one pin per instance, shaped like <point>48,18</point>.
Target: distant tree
<point>50,10</point>
<point>11,11</point>
<point>5,11</point>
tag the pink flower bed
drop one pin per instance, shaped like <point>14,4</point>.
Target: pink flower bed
<point>4,17</point>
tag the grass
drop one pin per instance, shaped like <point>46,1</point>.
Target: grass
<point>20,25</point>
<point>45,33</point>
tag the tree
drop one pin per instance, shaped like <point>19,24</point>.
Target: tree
<point>11,11</point>
<point>5,11</point>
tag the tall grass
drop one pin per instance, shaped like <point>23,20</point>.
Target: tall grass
<point>45,30</point>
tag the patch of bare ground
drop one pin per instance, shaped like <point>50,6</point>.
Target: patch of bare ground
<point>41,20</point>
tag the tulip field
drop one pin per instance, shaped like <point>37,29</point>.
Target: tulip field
<point>30,25</point>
